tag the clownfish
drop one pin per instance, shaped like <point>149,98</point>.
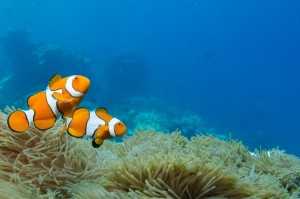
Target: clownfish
<point>97,124</point>
<point>61,97</point>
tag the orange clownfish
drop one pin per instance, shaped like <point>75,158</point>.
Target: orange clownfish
<point>61,97</point>
<point>98,124</point>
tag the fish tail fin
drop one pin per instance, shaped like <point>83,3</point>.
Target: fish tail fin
<point>17,121</point>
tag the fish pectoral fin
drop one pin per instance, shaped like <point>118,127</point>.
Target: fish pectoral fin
<point>100,136</point>
<point>64,128</point>
<point>60,97</point>
<point>69,112</point>
<point>101,131</point>
<point>97,142</point>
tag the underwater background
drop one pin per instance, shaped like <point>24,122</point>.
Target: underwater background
<point>226,68</point>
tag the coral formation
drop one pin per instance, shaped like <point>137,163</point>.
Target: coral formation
<point>148,164</point>
<point>151,120</point>
<point>155,114</point>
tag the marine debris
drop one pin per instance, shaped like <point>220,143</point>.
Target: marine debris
<point>148,164</point>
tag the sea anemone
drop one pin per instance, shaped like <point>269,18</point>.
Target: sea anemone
<point>148,164</point>
<point>43,161</point>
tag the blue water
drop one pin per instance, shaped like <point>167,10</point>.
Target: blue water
<point>234,63</point>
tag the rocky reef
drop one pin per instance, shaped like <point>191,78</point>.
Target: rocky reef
<point>148,164</point>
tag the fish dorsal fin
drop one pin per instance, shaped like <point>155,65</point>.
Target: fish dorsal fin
<point>54,79</point>
<point>101,110</point>
<point>33,99</point>
<point>102,113</point>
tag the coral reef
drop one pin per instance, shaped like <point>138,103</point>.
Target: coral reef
<point>151,120</point>
<point>151,113</point>
<point>148,164</point>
